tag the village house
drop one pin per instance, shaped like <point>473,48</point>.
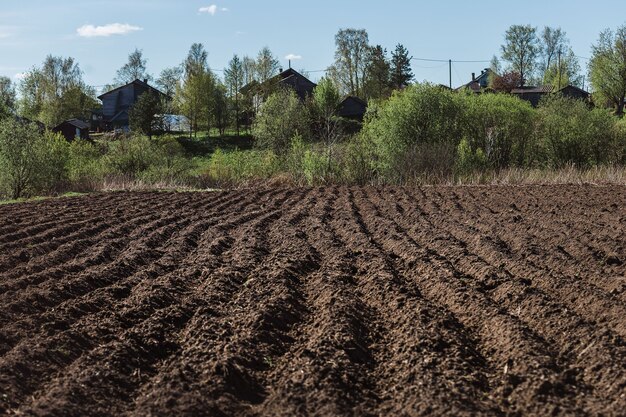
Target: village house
<point>73,129</point>
<point>117,103</point>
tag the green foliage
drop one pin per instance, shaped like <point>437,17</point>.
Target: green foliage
<point>144,115</point>
<point>31,162</point>
<point>56,92</point>
<point>401,72</point>
<point>570,133</point>
<point>281,117</point>
<point>230,168</point>
<point>469,160</point>
<point>607,69</point>
<point>521,50</point>
<point>501,126</point>
<point>416,131</point>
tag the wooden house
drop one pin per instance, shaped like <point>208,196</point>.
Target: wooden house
<point>117,103</point>
<point>73,129</point>
<point>533,94</point>
<point>352,108</point>
<point>572,91</point>
<point>478,84</point>
<point>290,78</point>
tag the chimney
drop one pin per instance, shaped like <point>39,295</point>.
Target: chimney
<point>145,80</point>
<point>473,76</point>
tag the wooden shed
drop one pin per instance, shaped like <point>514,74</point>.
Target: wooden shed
<point>572,91</point>
<point>352,108</point>
<point>533,94</point>
<point>73,129</point>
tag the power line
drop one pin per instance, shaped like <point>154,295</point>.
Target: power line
<point>447,61</point>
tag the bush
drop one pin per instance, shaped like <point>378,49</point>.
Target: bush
<point>501,127</point>
<point>569,133</point>
<point>469,160</point>
<point>130,156</point>
<point>416,132</point>
<point>230,168</point>
<point>281,117</point>
<point>31,161</point>
<point>85,169</point>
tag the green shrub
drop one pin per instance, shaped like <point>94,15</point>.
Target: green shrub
<point>416,132</point>
<point>130,156</point>
<point>280,118</point>
<point>469,160</point>
<point>85,166</point>
<point>501,126</point>
<point>570,133</point>
<point>230,168</point>
<point>54,155</point>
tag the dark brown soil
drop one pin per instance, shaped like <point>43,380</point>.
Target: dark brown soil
<point>331,301</point>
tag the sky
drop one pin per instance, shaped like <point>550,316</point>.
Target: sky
<point>100,34</point>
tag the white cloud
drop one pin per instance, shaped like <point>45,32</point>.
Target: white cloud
<point>91,31</point>
<point>20,75</point>
<point>212,9</point>
<point>293,57</point>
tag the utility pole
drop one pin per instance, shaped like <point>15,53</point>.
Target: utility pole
<point>450,70</point>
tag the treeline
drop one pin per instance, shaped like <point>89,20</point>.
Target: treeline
<point>422,134</point>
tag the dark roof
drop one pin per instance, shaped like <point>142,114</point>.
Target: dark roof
<point>352,106</point>
<point>74,122</point>
<point>284,77</point>
<point>573,87</point>
<point>542,89</point>
<point>136,82</point>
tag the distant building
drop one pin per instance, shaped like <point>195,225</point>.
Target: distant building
<point>532,94</point>
<point>478,84</point>
<point>352,108</point>
<point>291,78</point>
<point>117,103</point>
<point>535,94</point>
<point>73,129</point>
<point>572,91</point>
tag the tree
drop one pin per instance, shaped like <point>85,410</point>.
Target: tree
<point>378,76</point>
<point>196,61</point>
<point>134,69</point>
<point>169,79</point>
<point>266,65</point>
<point>350,65</point>
<point>495,66</point>
<point>280,119</point>
<point>19,157</point>
<point>565,70</point>
<point>249,70</point>
<point>607,68</point>
<point>234,79</point>
<point>55,92</point>
<point>506,82</point>
<point>326,100</point>
<point>401,72</point>
<point>7,97</point>
<point>521,50</point>
<point>144,114</point>
<point>553,42</point>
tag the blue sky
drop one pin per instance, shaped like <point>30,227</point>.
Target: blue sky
<point>165,29</point>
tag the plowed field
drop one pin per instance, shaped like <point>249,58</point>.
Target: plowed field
<point>330,301</point>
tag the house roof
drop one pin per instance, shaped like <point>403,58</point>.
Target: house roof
<point>476,84</point>
<point>283,77</point>
<point>136,82</point>
<point>76,123</point>
<point>573,87</point>
<point>542,89</point>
